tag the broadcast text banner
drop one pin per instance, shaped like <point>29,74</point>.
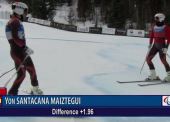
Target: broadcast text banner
<point>82,101</point>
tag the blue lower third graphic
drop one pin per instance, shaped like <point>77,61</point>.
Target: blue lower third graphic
<point>85,105</point>
<point>81,101</point>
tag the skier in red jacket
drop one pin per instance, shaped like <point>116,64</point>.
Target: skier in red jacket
<point>19,50</point>
<point>160,32</point>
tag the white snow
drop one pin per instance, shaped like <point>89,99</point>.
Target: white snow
<point>69,63</point>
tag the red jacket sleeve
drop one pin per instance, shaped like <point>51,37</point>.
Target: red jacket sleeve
<point>167,31</point>
<point>151,36</point>
<point>14,24</point>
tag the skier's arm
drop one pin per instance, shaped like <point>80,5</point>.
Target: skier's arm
<point>14,30</point>
<point>151,36</point>
<point>167,30</point>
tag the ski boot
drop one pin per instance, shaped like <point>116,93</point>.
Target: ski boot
<point>152,76</point>
<point>35,90</point>
<point>12,92</point>
<point>167,78</point>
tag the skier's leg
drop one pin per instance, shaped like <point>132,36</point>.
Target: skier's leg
<point>33,76</point>
<point>164,61</point>
<point>31,70</point>
<point>149,58</point>
<point>19,79</point>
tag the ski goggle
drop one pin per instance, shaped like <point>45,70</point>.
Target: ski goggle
<point>157,18</point>
<point>25,9</point>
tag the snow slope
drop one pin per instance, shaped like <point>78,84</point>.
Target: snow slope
<point>83,64</point>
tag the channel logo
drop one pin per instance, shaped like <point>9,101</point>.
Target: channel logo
<point>165,100</point>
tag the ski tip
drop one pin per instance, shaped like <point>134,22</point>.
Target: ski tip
<point>140,85</point>
<point>119,82</point>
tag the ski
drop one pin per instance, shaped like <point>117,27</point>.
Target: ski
<point>25,91</point>
<point>151,84</point>
<point>138,81</point>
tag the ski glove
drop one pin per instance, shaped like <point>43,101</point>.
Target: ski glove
<point>28,50</point>
<point>164,50</point>
<point>149,46</point>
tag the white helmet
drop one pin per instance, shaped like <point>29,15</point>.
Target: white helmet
<point>160,16</point>
<point>19,8</point>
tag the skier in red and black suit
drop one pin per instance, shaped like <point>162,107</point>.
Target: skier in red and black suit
<point>160,32</point>
<point>16,37</point>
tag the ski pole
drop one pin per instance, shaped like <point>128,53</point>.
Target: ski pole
<point>168,55</point>
<point>7,72</point>
<point>144,61</point>
<point>17,70</point>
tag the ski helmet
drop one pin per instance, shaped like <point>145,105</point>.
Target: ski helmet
<point>160,17</point>
<point>19,8</point>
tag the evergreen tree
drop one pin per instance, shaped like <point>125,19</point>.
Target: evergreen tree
<point>166,11</point>
<point>35,7</point>
<point>84,9</point>
<point>115,15</point>
<point>44,9</point>
<point>69,2</point>
<point>51,8</point>
<point>71,15</point>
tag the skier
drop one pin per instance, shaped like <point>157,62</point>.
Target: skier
<point>159,33</point>
<point>16,38</point>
